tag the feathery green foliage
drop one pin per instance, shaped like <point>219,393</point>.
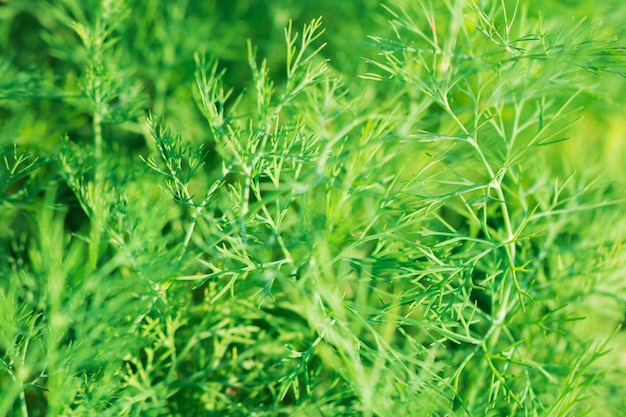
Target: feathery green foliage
<point>245,209</point>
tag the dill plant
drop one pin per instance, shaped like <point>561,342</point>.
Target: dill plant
<point>300,241</point>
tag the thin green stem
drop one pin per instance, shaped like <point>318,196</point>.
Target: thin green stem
<point>98,191</point>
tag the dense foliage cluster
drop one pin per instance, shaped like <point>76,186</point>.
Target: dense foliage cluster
<point>242,208</point>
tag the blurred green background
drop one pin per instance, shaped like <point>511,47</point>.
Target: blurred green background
<point>40,68</point>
